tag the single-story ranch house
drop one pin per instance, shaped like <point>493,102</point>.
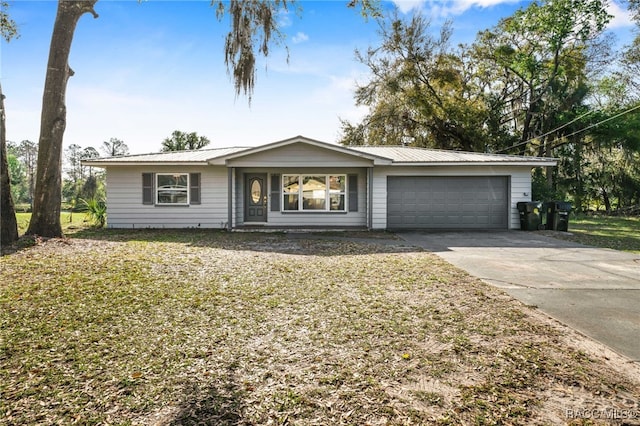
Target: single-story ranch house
<point>300,182</point>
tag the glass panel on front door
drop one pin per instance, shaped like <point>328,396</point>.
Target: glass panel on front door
<point>256,191</point>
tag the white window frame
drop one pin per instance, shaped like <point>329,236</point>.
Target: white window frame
<point>328,192</point>
<point>186,190</point>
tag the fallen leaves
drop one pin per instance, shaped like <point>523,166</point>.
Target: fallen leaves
<point>185,327</point>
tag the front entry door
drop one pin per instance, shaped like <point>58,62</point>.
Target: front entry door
<point>255,197</point>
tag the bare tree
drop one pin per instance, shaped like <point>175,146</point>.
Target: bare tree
<point>88,153</point>
<point>29,153</point>
<point>114,147</point>
<point>73,155</point>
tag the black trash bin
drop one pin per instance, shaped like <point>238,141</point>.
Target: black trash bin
<point>530,219</point>
<point>557,215</point>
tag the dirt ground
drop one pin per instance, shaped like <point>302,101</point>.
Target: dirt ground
<point>170,327</point>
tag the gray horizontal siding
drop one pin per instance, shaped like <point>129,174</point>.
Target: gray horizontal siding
<point>299,155</point>
<point>520,191</point>
<point>125,208</point>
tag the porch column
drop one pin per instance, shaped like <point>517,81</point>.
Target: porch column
<point>369,197</point>
<point>230,173</point>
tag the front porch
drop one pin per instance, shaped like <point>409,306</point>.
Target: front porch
<point>299,198</point>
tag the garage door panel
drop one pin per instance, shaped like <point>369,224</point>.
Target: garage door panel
<point>441,220</point>
<point>495,220</point>
<point>478,202</point>
<point>469,220</point>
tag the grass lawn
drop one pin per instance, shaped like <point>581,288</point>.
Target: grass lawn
<point>619,233</point>
<point>71,222</point>
<point>205,327</point>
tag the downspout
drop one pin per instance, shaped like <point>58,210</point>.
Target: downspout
<point>230,173</point>
<point>369,198</point>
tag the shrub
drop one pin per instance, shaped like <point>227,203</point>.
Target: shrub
<point>96,211</point>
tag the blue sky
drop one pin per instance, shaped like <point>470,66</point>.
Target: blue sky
<point>146,69</point>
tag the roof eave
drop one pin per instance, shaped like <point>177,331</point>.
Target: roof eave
<point>382,161</point>
<point>476,163</point>
<point>377,160</point>
<point>144,163</point>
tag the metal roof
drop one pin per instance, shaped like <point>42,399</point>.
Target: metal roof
<point>381,155</point>
<point>199,156</point>
<point>403,155</point>
<point>302,139</point>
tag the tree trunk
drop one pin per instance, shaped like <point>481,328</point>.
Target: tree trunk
<point>528,134</point>
<point>607,200</point>
<point>8,223</point>
<point>550,169</point>
<point>47,198</point>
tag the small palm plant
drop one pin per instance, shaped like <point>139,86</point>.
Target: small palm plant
<point>96,211</point>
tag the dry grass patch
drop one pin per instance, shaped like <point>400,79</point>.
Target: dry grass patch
<point>197,327</point>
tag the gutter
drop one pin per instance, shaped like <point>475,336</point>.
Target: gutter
<point>143,163</point>
<point>477,163</point>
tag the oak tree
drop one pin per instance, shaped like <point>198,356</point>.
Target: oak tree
<point>8,222</point>
<point>45,219</point>
<point>254,26</point>
<point>421,91</point>
<point>181,141</point>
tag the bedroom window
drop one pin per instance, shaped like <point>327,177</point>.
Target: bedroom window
<point>171,189</point>
<point>314,192</point>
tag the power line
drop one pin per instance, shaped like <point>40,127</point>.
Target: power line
<point>571,122</point>
<point>546,134</point>
<point>604,121</point>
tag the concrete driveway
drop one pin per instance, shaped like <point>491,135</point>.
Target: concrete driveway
<point>595,291</point>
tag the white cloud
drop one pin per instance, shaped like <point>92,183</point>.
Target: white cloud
<point>300,37</point>
<point>284,18</point>
<point>467,4</point>
<point>447,8</point>
<point>621,16</point>
<point>406,6</point>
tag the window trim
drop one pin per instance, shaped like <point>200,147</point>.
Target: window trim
<point>327,196</point>
<point>186,190</point>
<point>150,192</point>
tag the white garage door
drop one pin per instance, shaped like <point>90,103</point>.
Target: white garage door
<point>429,202</point>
